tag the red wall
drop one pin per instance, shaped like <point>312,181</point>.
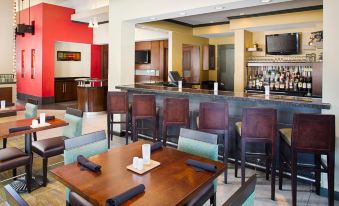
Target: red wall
<point>96,61</point>
<point>53,23</point>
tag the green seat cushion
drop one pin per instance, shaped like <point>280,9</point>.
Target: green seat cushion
<point>31,111</point>
<point>238,126</point>
<point>286,135</point>
<point>199,148</point>
<point>249,201</point>
<point>74,128</point>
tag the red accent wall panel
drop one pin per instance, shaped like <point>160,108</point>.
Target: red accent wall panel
<point>53,23</point>
<point>96,61</point>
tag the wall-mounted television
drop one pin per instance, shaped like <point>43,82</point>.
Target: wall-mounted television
<point>282,44</point>
<point>143,57</point>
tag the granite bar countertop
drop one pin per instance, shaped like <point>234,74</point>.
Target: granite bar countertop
<point>229,96</point>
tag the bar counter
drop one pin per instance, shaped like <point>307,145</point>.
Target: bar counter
<point>286,106</point>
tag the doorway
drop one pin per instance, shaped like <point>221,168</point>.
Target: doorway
<point>226,67</point>
<point>191,63</point>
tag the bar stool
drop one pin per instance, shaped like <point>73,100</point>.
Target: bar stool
<point>117,103</point>
<point>259,125</point>
<point>213,118</point>
<point>176,113</point>
<point>144,108</point>
<point>311,133</point>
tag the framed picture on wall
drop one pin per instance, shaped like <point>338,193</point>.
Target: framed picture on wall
<point>33,64</point>
<point>23,62</point>
<point>68,56</point>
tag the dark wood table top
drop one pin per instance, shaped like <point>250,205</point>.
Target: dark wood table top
<point>172,183</point>
<point>14,108</point>
<point>5,126</point>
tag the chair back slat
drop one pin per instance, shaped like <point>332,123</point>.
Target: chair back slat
<point>314,132</point>
<point>74,112</point>
<point>13,198</point>
<point>213,117</point>
<point>244,195</point>
<point>144,105</point>
<point>176,110</point>
<point>259,123</point>
<point>117,102</point>
<point>199,136</point>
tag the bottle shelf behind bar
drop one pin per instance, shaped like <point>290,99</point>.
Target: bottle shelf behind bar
<point>295,79</point>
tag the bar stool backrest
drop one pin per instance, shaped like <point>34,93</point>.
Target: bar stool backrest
<point>143,105</point>
<point>213,117</point>
<point>117,102</point>
<point>312,132</point>
<point>176,110</point>
<point>259,123</point>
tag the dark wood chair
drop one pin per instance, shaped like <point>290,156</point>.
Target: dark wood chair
<point>117,103</point>
<point>55,146</point>
<point>12,158</point>
<point>176,113</point>
<point>144,108</point>
<point>244,195</point>
<point>315,134</point>
<point>259,126</point>
<point>13,198</point>
<point>213,118</point>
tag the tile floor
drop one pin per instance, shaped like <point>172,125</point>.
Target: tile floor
<point>98,122</point>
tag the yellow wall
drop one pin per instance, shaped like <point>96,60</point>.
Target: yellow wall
<point>213,74</point>
<point>181,35</point>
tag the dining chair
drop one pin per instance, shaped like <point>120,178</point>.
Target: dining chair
<point>244,196</point>
<point>213,118</point>
<point>13,198</point>
<point>319,131</point>
<point>258,126</point>
<point>31,111</point>
<point>87,145</point>
<point>12,158</point>
<point>117,103</point>
<point>144,108</point>
<point>54,146</point>
<point>175,113</point>
<point>204,145</point>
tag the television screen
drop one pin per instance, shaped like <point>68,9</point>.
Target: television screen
<point>282,44</point>
<point>143,57</point>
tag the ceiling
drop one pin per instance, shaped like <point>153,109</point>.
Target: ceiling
<point>224,15</point>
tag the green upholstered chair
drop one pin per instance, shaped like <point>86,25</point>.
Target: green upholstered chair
<point>54,146</point>
<point>87,145</point>
<point>244,195</point>
<point>204,145</point>
<point>74,119</point>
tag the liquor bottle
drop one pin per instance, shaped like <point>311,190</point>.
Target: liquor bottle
<point>300,83</point>
<point>250,82</point>
<point>309,84</point>
<point>291,84</point>
<point>304,83</point>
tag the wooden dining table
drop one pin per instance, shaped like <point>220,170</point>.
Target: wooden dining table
<point>11,110</point>
<point>171,183</point>
<point>5,126</point>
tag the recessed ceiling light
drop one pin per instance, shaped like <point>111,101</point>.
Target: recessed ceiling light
<point>242,13</point>
<point>182,13</point>
<point>266,1</point>
<point>211,22</point>
<point>219,7</point>
<point>153,18</point>
<point>143,27</point>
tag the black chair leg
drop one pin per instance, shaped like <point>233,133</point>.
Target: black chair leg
<point>330,178</point>
<point>14,173</point>
<point>44,171</point>
<point>4,143</point>
<point>274,156</point>
<point>108,131</point>
<point>281,170</point>
<point>243,160</point>
<point>213,200</point>
<point>35,137</point>
<point>267,161</point>
<point>126,133</point>
<point>236,157</point>
<point>294,178</point>
<point>29,177</point>
<point>225,157</point>
<point>317,159</point>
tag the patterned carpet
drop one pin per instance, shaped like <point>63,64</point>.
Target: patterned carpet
<point>53,194</point>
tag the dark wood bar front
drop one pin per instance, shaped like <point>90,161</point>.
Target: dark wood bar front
<point>92,97</point>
